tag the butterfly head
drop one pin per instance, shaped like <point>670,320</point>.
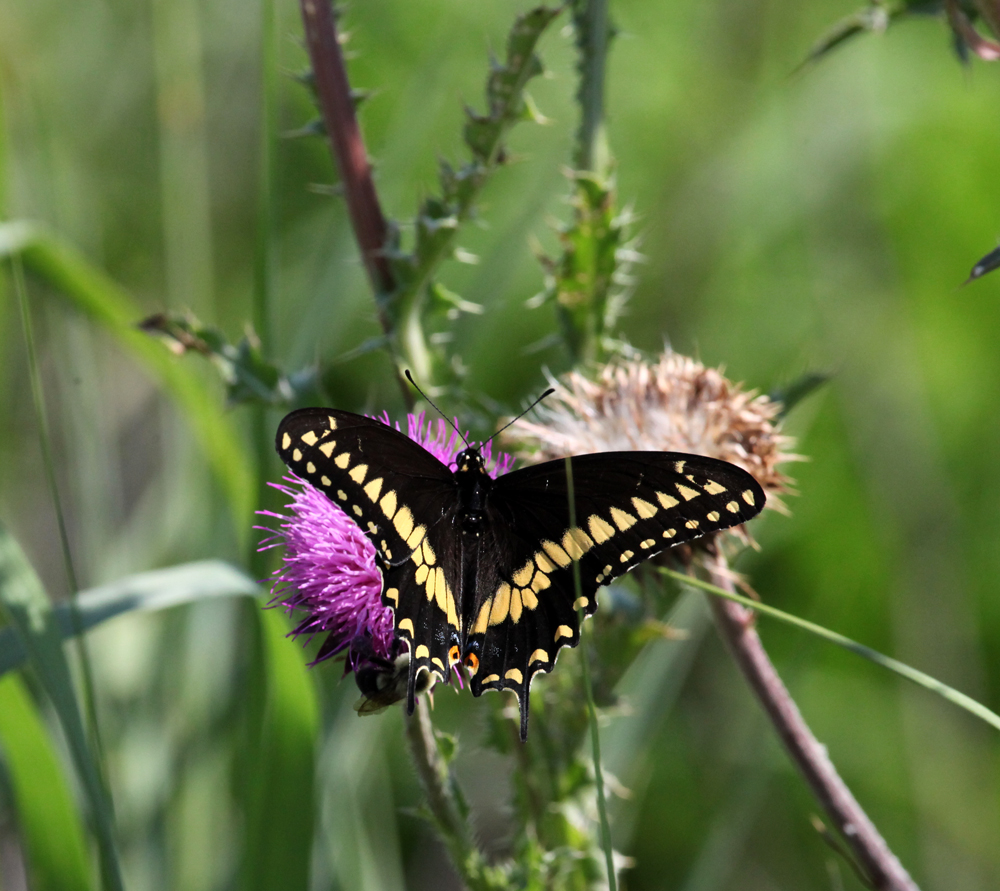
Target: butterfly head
<point>470,460</point>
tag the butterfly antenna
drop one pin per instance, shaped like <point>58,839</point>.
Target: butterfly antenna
<point>409,377</point>
<point>548,392</point>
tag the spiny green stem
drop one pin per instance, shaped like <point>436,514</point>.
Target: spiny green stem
<point>454,829</point>
<point>590,18</point>
<point>602,808</point>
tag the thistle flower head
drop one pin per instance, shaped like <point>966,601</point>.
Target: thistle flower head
<point>674,405</point>
<point>329,571</point>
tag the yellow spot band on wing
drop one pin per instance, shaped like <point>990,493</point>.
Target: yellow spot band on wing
<point>374,488</point>
<point>687,493</point>
<point>297,455</point>
<point>600,529</point>
<point>713,488</point>
<point>563,631</point>
<point>524,574</point>
<point>733,507</point>
<point>342,460</point>
<point>748,497</point>
<point>403,521</point>
<point>422,652</point>
<point>622,520</point>
<point>714,516</point>
<point>543,562</point>
<point>501,604</point>
<point>327,448</point>
<point>491,679</point>
<point>388,504</point>
<point>540,582</point>
<point>538,656</point>
<point>358,473</point>
<point>483,619</point>
<point>286,441</point>
<point>691,524</point>
<point>437,662</point>
<point>515,675</point>
<point>310,467</point>
<point>406,625</point>
<point>556,553</point>
<point>643,508</point>
<point>666,500</point>
<point>581,603</point>
<point>576,543</point>
<point>393,595</point>
<point>309,438</point>
<point>528,598</point>
<point>333,422</point>
<point>515,605</point>
<point>326,481</point>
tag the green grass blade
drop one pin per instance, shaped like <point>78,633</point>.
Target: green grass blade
<point>53,833</point>
<point>595,736</point>
<point>281,807</point>
<point>28,609</point>
<point>911,674</point>
<point>105,302</point>
<point>145,591</point>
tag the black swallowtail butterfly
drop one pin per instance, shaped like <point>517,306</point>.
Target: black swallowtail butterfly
<point>479,570</point>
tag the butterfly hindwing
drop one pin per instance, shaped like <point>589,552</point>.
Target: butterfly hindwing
<point>629,506</point>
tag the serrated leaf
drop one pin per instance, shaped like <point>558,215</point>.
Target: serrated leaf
<point>248,376</point>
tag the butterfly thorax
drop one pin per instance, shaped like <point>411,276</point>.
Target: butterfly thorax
<point>473,484</point>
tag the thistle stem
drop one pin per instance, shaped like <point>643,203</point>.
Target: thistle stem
<point>590,18</point>
<point>351,158</point>
<point>736,627</point>
<point>452,826</point>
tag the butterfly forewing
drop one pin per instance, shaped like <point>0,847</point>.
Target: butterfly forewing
<point>404,499</point>
<point>629,506</point>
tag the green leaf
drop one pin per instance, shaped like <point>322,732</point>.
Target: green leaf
<point>52,830</point>
<point>248,376</point>
<point>876,17</point>
<point>281,806</point>
<point>792,394</point>
<point>146,591</point>
<point>28,610</point>
<point>105,302</point>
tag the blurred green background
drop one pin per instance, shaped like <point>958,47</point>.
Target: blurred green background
<point>816,222</point>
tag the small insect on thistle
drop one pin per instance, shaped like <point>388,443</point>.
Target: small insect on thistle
<point>493,573</point>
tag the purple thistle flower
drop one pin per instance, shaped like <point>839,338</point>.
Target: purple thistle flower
<point>329,568</point>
